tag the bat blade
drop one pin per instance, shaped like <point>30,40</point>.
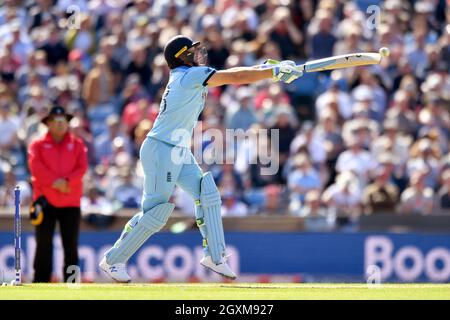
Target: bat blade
<point>342,61</point>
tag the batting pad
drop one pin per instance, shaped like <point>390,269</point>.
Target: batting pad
<point>210,203</point>
<point>135,235</point>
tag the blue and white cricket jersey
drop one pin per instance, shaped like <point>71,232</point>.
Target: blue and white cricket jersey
<point>181,105</point>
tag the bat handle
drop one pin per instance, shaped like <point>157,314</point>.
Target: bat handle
<point>301,67</point>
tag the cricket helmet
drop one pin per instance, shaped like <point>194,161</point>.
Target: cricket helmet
<point>176,48</point>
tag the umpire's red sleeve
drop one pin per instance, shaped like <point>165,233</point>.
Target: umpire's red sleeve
<point>39,171</point>
<point>77,174</point>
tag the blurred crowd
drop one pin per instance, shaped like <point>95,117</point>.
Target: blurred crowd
<point>352,141</point>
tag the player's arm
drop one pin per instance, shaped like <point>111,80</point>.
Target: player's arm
<point>246,75</point>
<point>240,75</point>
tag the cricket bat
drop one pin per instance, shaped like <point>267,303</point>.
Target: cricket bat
<point>342,61</point>
<point>339,62</point>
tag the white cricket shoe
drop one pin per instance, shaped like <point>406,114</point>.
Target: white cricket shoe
<point>222,268</point>
<point>116,271</point>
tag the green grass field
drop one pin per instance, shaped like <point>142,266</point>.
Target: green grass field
<point>244,291</point>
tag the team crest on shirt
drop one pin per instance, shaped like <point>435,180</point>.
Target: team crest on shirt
<point>70,146</point>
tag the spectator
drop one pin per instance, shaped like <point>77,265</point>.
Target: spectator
<point>311,144</point>
<point>355,159</point>
<point>317,218</point>
<point>140,133</point>
<point>160,76</point>
<point>39,13</point>
<point>444,193</point>
<point>98,87</point>
<point>33,111</point>
<point>36,101</point>
<point>402,112</point>
<point>435,114</point>
<point>381,196</point>
<point>328,135</point>
<point>273,200</point>
<point>417,198</point>
<point>241,115</point>
<point>285,126</point>
<point>64,87</point>
<point>57,163</point>
<point>268,99</point>
<point>360,127</point>
<point>239,9</point>
<point>228,179</point>
<point>132,90</point>
<point>21,44</point>
<point>352,41</point>
<point>344,196</point>
<point>9,64</point>
<point>9,126</point>
<point>417,56</point>
<point>139,65</point>
<point>7,189</point>
<point>55,49</point>
<point>372,96</point>
<point>323,41</point>
<point>107,46</point>
<point>285,34</point>
<point>303,179</point>
<point>35,71</point>
<point>392,141</point>
<point>126,192</point>
<point>83,37</point>
<point>425,156</point>
<point>184,202</point>
<point>140,8</point>
<point>137,35</point>
<point>95,203</point>
<point>335,99</point>
<point>217,50</point>
<point>312,206</point>
<point>105,141</point>
<point>232,207</point>
<point>77,128</point>
<point>253,163</point>
<point>137,111</point>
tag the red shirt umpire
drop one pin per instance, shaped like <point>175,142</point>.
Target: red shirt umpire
<point>57,162</point>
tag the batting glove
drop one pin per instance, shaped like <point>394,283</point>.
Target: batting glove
<point>288,63</point>
<point>286,72</point>
<point>271,62</point>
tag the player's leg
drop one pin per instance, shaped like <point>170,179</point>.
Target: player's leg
<point>43,259</point>
<point>158,186</point>
<point>203,190</point>
<point>69,224</point>
<point>190,181</point>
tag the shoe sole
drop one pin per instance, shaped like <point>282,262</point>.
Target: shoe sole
<point>112,277</point>
<point>223,275</point>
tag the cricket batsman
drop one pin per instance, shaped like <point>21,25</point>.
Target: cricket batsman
<point>168,161</point>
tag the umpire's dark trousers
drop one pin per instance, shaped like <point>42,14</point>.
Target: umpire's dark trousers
<point>69,225</point>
